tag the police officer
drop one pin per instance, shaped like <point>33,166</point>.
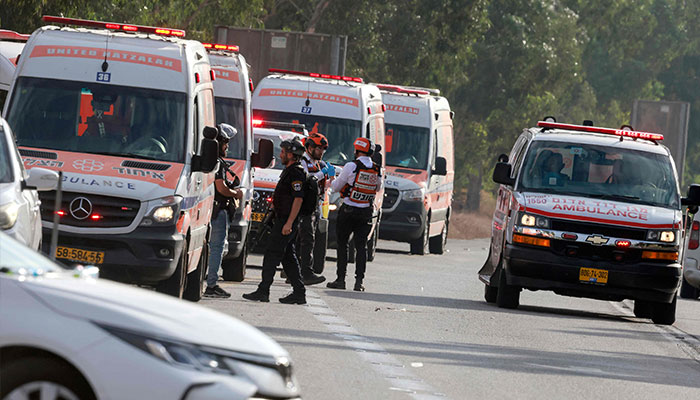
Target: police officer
<point>286,203</point>
<point>316,144</point>
<point>358,184</point>
<point>224,195</point>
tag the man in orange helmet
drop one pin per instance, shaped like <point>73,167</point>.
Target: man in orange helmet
<point>358,184</point>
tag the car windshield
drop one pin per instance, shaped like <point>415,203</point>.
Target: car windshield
<point>341,133</point>
<point>6,174</point>
<point>98,118</point>
<point>14,257</point>
<point>604,172</point>
<point>407,146</point>
<point>232,112</point>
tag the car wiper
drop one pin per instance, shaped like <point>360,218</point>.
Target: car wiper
<point>613,196</point>
<point>132,155</point>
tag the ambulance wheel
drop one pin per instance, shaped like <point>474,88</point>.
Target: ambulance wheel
<point>688,291</point>
<point>420,245</point>
<point>234,268</point>
<point>490,293</point>
<point>320,246</point>
<point>664,313</point>
<point>372,245</point>
<point>507,296</point>
<point>642,309</point>
<point>437,244</point>
<point>175,285</point>
<point>196,280</point>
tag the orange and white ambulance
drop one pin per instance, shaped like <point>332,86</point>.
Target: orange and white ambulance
<point>11,45</point>
<point>126,113</point>
<point>419,168</point>
<point>342,108</point>
<point>232,98</point>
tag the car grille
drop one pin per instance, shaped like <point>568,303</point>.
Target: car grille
<point>114,211</point>
<point>260,201</point>
<point>391,196</point>
<point>605,230</point>
<point>596,253</point>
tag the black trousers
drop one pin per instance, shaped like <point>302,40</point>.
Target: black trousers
<point>305,242</point>
<point>358,222</point>
<point>281,248</point>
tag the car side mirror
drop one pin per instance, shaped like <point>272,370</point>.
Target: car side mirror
<point>502,172</point>
<point>209,152</point>
<point>440,167</point>
<point>40,179</point>
<point>693,198</point>
<point>503,158</point>
<point>377,155</point>
<point>210,132</point>
<point>263,157</point>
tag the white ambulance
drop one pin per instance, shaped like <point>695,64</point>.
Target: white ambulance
<point>11,45</point>
<point>419,148</point>
<point>232,98</point>
<point>126,113</point>
<point>342,108</point>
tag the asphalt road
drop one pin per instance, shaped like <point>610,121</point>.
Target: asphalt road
<point>422,330</point>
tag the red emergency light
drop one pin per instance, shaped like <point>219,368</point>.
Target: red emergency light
<point>316,75</point>
<point>115,26</point>
<point>223,47</point>
<point>257,122</point>
<point>609,131</point>
<point>12,35</point>
<point>399,89</point>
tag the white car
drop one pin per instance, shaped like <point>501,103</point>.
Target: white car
<point>691,262</point>
<point>66,335</point>
<point>20,216</point>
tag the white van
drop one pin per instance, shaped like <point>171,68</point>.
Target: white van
<point>11,45</point>
<point>420,173</point>
<point>342,108</point>
<point>126,113</point>
<point>232,99</point>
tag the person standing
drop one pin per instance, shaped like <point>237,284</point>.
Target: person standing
<point>224,195</point>
<point>286,203</point>
<point>316,144</point>
<point>358,184</point>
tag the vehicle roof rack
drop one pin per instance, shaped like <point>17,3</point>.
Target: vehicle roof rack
<point>260,123</point>
<point>115,26</point>
<point>624,131</point>
<point>316,75</point>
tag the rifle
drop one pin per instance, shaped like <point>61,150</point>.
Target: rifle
<point>265,227</point>
<point>232,203</point>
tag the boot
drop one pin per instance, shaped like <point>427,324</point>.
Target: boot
<point>294,298</point>
<point>358,287</point>
<point>313,279</point>
<point>336,284</point>
<point>257,296</point>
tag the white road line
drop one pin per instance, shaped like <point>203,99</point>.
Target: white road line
<point>400,378</point>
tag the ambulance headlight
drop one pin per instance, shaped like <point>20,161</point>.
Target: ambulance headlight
<point>8,215</point>
<point>662,236</point>
<point>413,194</point>
<point>162,211</point>
<point>534,220</point>
<point>163,214</point>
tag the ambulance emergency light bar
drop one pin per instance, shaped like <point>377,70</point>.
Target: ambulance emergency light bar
<point>608,131</point>
<point>12,35</point>
<point>399,89</point>
<point>115,26</point>
<point>259,123</point>
<point>223,47</point>
<point>316,75</point>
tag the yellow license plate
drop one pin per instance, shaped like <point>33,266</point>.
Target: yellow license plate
<point>257,217</point>
<point>592,275</point>
<point>86,256</point>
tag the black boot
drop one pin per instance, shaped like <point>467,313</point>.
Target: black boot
<point>257,296</point>
<point>358,287</point>
<point>313,279</point>
<point>336,284</point>
<point>294,298</point>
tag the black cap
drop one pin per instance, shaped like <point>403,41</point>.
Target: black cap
<point>293,146</point>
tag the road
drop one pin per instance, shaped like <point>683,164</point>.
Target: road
<point>423,331</point>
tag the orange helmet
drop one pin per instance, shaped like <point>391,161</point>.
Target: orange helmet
<point>364,145</point>
<point>316,139</point>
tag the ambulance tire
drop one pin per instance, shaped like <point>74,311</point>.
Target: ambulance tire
<point>490,293</point>
<point>194,288</point>
<point>642,309</point>
<point>419,246</point>
<point>372,245</point>
<point>320,248</point>
<point>233,269</point>
<point>507,296</point>
<point>437,244</point>
<point>688,291</point>
<point>175,285</point>
<point>664,313</point>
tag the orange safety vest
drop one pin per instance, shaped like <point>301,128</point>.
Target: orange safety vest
<point>364,187</point>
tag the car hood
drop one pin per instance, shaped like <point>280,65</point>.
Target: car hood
<point>266,178</point>
<point>599,211</point>
<point>148,312</point>
<point>405,178</point>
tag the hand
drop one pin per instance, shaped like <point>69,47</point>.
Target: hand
<point>237,194</point>
<point>328,170</point>
<point>287,229</point>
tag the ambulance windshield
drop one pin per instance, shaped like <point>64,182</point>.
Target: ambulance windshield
<point>231,111</point>
<point>340,132</point>
<point>407,146</point>
<point>6,174</point>
<point>101,119</point>
<point>603,172</point>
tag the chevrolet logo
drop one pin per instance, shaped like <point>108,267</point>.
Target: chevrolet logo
<point>597,240</point>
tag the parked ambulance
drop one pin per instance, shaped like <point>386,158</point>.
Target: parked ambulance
<point>232,99</point>
<point>342,108</point>
<point>419,148</point>
<point>588,211</point>
<point>126,113</point>
<point>11,45</point>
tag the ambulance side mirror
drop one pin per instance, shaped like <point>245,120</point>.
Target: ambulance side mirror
<point>263,157</point>
<point>209,152</point>
<point>693,198</point>
<point>501,174</point>
<point>377,156</point>
<point>440,167</point>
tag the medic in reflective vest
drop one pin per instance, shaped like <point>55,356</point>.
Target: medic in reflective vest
<point>363,189</point>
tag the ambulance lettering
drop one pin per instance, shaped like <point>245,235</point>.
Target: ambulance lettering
<point>139,172</point>
<point>403,109</point>
<point>33,162</point>
<point>303,94</point>
<point>77,180</point>
<point>100,54</point>
<point>227,75</point>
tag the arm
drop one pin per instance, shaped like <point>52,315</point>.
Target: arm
<point>225,191</point>
<point>342,179</point>
<point>296,206</point>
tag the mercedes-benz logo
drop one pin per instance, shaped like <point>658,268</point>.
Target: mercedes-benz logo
<point>256,195</point>
<point>88,165</point>
<point>80,208</point>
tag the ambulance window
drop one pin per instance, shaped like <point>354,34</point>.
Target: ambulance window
<point>435,145</point>
<point>518,160</point>
<point>3,96</point>
<point>232,112</point>
<point>204,104</point>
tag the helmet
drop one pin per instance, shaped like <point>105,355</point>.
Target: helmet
<point>317,140</point>
<point>225,133</point>
<point>293,146</point>
<point>364,145</point>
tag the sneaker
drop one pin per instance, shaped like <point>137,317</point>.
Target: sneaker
<point>358,287</point>
<point>313,279</point>
<point>257,296</point>
<point>293,298</point>
<point>336,284</point>
<point>216,292</point>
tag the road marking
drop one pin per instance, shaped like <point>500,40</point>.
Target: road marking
<point>400,378</point>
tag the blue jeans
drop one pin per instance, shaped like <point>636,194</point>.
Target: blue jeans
<point>219,231</point>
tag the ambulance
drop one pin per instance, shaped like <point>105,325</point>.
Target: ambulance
<point>342,108</point>
<point>587,211</point>
<point>419,146</point>
<point>126,113</point>
<point>232,99</point>
<point>11,45</point>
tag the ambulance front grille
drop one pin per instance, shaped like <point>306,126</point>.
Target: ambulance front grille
<point>89,210</point>
<point>600,229</point>
<point>260,201</point>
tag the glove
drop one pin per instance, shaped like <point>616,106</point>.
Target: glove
<point>328,170</point>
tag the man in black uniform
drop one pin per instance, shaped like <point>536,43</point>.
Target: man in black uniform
<point>286,203</point>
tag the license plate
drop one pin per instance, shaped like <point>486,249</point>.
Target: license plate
<point>257,217</point>
<point>592,275</point>
<point>86,256</point>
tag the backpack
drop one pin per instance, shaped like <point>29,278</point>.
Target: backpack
<point>311,195</point>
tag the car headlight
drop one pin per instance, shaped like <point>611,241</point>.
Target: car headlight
<point>413,194</point>
<point>534,220</point>
<point>8,215</point>
<point>162,211</point>
<point>662,236</point>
